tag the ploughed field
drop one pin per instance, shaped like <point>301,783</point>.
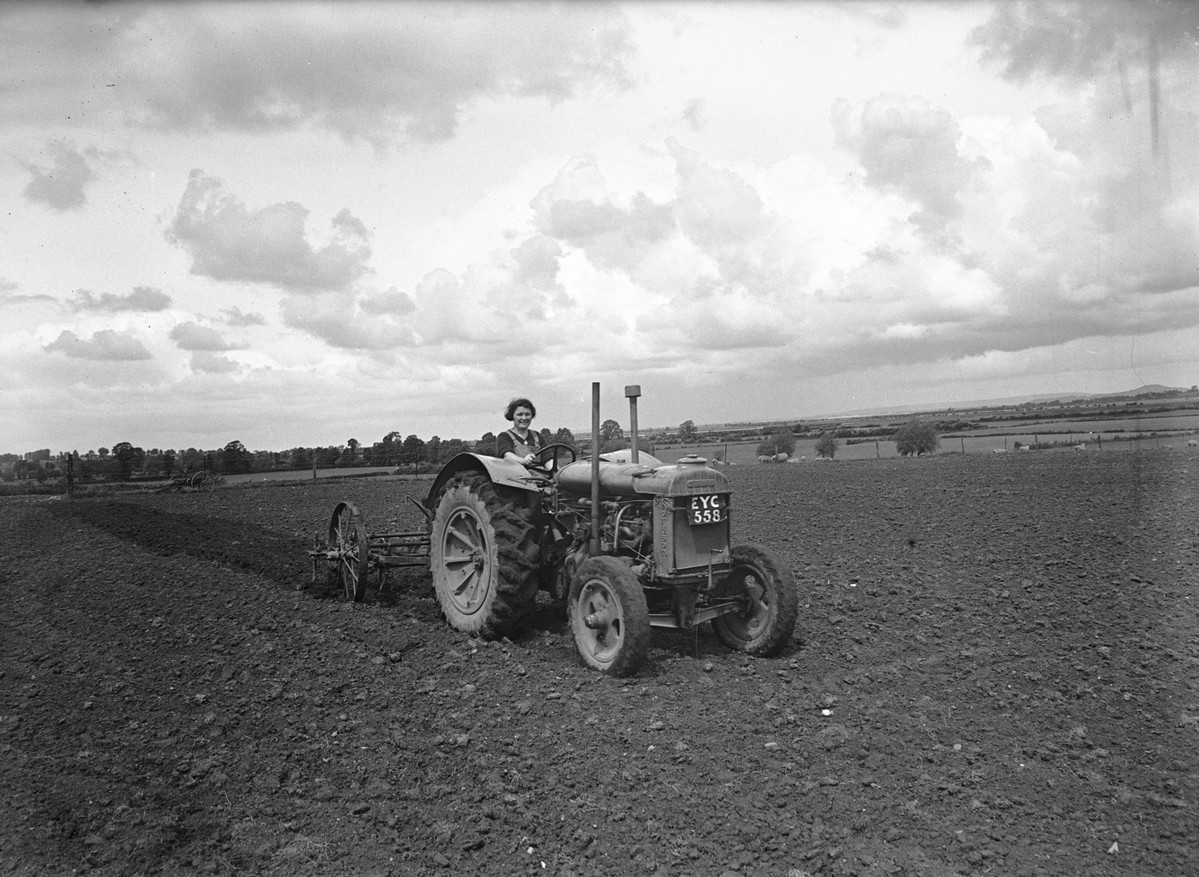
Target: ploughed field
<point>996,670</point>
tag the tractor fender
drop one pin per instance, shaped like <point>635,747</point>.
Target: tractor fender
<point>502,472</point>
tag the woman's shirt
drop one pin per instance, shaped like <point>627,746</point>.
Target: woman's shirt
<point>508,440</point>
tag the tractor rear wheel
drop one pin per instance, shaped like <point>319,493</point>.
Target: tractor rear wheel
<point>609,617</point>
<point>483,556</point>
<point>770,603</point>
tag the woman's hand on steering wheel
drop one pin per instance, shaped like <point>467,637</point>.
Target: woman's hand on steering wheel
<point>547,457</point>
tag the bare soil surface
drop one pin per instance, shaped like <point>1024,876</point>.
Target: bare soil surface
<point>996,670</point>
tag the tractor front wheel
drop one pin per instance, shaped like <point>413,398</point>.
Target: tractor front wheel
<point>769,603</point>
<point>609,617</point>
<point>483,552</point>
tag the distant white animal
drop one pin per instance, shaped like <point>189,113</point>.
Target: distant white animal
<point>1192,443</point>
<point>781,457</point>
<point>762,458</point>
<point>998,450</point>
<point>1081,447</point>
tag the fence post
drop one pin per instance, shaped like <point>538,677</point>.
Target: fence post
<point>314,467</point>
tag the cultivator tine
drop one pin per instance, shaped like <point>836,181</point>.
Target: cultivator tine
<point>315,552</point>
<point>424,511</point>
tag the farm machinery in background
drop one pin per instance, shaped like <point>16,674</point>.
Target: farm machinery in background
<point>201,481</point>
<point>627,542</point>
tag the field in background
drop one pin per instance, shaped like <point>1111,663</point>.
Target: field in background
<point>1115,435</point>
<point>306,474</point>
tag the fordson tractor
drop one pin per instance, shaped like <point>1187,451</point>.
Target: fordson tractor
<point>626,541</point>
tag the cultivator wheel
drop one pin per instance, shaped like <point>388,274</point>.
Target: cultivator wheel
<point>348,552</point>
<point>204,481</point>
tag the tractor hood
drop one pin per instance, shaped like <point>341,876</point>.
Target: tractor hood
<point>618,478</point>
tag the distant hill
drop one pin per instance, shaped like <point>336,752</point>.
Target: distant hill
<point>927,407</point>
<point>1142,391</point>
<point>916,408</point>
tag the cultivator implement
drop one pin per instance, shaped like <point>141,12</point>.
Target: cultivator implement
<point>203,482</point>
<point>352,556</point>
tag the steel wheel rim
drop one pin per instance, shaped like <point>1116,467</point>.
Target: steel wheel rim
<point>344,537</point>
<point>749,622</point>
<point>598,601</point>
<point>467,561</point>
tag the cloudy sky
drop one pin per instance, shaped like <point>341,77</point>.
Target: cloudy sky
<point>293,224</point>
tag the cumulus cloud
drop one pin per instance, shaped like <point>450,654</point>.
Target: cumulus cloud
<point>212,363</point>
<point>229,241</point>
<point>532,289</point>
<point>341,320</point>
<point>193,336</point>
<point>1151,49</point>
<point>715,232</point>
<point>1000,253</point>
<point>1112,195</point>
<point>908,146</point>
<point>106,344</point>
<point>237,318</point>
<point>578,209</point>
<point>143,298</point>
<point>10,296</point>
<point>391,302</point>
<point>380,73</point>
<point>61,183</point>
<point>716,207</point>
<point>1076,38</point>
<point>695,113</point>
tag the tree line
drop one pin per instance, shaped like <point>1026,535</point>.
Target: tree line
<point>126,461</point>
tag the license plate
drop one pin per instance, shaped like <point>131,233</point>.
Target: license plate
<point>706,510</point>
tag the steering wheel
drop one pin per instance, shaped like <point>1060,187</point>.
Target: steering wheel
<point>547,457</point>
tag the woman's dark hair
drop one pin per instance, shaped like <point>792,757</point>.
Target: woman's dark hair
<point>510,412</point>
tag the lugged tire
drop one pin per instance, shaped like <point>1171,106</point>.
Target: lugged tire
<point>766,624</point>
<point>483,557</point>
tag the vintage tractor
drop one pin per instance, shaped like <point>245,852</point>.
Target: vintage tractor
<point>627,541</point>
